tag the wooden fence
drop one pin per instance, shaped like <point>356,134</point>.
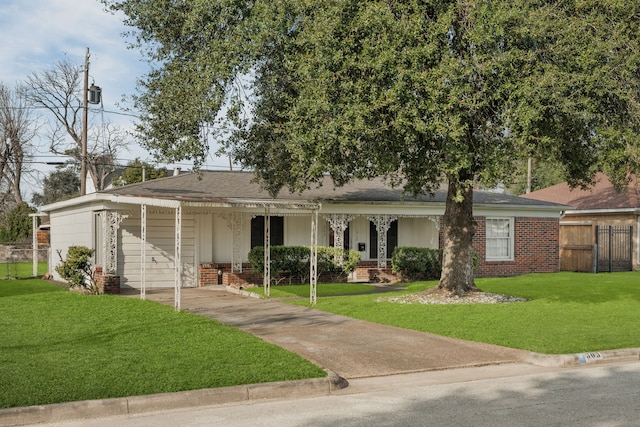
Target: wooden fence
<point>577,247</point>
<point>588,248</point>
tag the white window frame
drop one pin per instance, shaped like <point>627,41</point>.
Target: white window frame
<point>508,239</point>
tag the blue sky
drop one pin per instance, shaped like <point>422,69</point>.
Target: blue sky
<point>34,34</point>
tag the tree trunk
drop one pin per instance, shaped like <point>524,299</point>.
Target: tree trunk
<point>458,230</point>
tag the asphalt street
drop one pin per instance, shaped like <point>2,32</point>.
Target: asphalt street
<point>495,396</point>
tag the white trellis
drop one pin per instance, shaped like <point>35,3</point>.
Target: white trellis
<point>339,224</point>
<point>110,224</point>
<point>382,224</point>
<point>234,223</point>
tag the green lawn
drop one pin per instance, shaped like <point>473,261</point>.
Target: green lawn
<point>567,312</point>
<point>58,346</point>
<point>21,269</point>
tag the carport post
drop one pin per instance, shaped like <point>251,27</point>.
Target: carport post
<point>34,228</point>
<point>266,281</point>
<point>143,251</point>
<point>177,267</point>
<point>313,259</point>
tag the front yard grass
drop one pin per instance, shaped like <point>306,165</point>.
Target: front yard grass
<point>58,346</point>
<point>21,269</point>
<point>566,312</point>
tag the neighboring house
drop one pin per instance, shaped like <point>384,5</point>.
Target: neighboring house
<point>194,229</point>
<point>600,231</point>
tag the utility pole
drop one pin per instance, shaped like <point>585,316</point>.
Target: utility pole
<point>528,175</point>
<point>85,116</point>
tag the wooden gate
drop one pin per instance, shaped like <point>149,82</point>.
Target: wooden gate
<point>614,248</point>
<point>576,247</point>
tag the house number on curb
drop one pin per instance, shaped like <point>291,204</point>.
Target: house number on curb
<point>584,358</point>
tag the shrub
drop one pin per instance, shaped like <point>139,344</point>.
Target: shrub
<point>328,261</point>
<point>411,263</point>
<point>18,225</point>
<point>76,269</point>
<point>288,262</point>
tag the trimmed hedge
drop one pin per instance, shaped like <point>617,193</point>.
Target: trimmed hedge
<point>289,262</point>
<point>411,263</point>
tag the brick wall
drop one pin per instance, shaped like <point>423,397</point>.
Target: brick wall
<point>535,249</point>
<point>106,283</point>
<point>209,275</point>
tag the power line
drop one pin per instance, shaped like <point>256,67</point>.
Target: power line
<point>117,113</point>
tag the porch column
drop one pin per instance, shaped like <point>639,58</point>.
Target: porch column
<point>234,223</point>
<point>177,266</point>
<point>266,281</point>
<point>436,220</point>
<point>339,223</point>
<point>34,247</point>
<point>143,251</point>
<point>382,223</point>
<point>110,254</point>
<point>236,230</point>
<point>313,259</point>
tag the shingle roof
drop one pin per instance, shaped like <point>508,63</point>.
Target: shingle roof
<point>601,196</point>
<point>221,186</point>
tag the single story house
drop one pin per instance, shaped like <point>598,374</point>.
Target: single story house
<point>600,230</point>
<point>197,229</point>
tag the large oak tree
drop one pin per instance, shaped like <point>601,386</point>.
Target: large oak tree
<point>422,92</point>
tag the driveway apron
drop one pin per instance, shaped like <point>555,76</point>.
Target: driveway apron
<point>349,347</point>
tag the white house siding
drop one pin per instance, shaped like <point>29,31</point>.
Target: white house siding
<point>73,227</point>
<point>418,232</point>
<point>220,240</point>
<point>297,231</point>
<point>203,231</point>
<point>160,249</point>
<point>359,233</point>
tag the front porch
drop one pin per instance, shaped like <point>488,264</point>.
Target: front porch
<point>223,274</point>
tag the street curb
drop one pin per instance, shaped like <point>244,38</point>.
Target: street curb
<point>581,359</point>
<point>100,408</point>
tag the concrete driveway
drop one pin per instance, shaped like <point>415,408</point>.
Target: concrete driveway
<point>350,348</point>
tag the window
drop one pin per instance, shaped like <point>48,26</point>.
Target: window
<point>499,237</point>
<point>276,228</point>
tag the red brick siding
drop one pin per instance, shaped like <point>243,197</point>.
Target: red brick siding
<point>535,248</point>
<point>106,283</point>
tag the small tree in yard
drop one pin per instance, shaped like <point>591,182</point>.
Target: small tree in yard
<point>18,225</point>
<point>76,269</point>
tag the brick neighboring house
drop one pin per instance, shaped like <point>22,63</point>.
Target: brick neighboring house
<point>194,229</point>
<point>602,208</point>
